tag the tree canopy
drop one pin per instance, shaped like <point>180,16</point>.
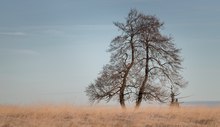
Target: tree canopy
<point>144,64</point>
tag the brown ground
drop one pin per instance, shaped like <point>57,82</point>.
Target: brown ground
<point>70,116</point>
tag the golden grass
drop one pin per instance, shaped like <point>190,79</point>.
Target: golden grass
<point>73,116</point>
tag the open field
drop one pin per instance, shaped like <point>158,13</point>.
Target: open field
<point>70,116</point>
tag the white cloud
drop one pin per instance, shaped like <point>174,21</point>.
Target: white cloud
<point>53,31</point>
<point>13,33</point>
<point>27,52</point>
<point>111,26</point>
<point>20,51</point>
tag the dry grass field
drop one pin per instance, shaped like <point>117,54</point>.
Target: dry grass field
<point>70,116</point>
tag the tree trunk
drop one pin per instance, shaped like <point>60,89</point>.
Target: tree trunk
<point>121,95</point>
<point>141,90</point>
<point>140,94</point>
<point>122,89</point>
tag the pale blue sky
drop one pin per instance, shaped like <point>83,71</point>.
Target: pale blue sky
<point>50,50</point>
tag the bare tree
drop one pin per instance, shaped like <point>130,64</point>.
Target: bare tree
<point>113,78</point>
<point>143,64</point>
<point>160,60</point>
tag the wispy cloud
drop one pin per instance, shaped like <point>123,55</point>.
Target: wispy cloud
<point>195,23</point>
<point>27,52</point>
<point>110,26</point>
<point>53,31</point>
<point>208,8</point>
<point>20,52</point>
<point>13,33</point>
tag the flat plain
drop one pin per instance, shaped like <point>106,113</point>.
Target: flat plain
<point>107,116</point>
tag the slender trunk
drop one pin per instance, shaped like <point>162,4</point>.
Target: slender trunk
<point>121,94</point>
<point>122,89</point>
<point>141,92</point>
<point>142,87</point>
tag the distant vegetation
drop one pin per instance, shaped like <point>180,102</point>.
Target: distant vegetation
<point>69,116</point>
<point>144,64</point>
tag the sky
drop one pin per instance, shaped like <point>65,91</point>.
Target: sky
<point>51,50</point>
